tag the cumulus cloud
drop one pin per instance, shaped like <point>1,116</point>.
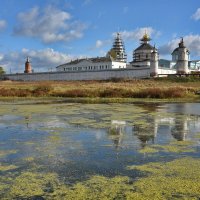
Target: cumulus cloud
<point>42,60</point>
<point>2,25</point>
<point>196,15</point>
<point>101,43</point>
<point>49,25</point>
<point>192,42</point>
<point>128,35</point>
<point>138,33</point>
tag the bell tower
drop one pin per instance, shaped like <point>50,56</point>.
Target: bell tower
<point>183,57</point>
<point>28,68</point>
<point>118,50</point>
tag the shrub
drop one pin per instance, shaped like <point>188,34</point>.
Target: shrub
<point>42,90</point>
<point>115,92</point>
<point>160,93</point>
<point>12,92</point>
<point>75,93</point>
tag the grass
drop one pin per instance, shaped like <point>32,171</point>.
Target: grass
<point>165,88</point>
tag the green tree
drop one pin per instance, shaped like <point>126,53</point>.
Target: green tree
<point>2,70</point>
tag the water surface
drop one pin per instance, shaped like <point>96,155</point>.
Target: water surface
<point>78,141</point>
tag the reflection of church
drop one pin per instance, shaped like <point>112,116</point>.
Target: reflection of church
<point>116,132</point>
<point>145,134</point>
<point>180,130</point>
<point>175,126</point>
<point>155,128</point>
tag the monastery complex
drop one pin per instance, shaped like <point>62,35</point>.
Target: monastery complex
<point>145,63</point>
<point>144,56</point>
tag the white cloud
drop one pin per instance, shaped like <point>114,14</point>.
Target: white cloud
<point>127,35</point>
<point>49,25</point>
<point>138,33</point>
<point>101,43</point>
<point>196,15</point>
<point>167,48</point>
<point>41,60</point>
<point>192,42</point>
<point>2,24</point>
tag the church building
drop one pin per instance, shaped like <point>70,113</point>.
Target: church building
<point>115,59</point>
<point>142,55</point>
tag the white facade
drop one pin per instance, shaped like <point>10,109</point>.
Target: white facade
<point>91,64</point>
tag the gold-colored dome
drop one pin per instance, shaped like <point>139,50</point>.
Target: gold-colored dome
<point>145,37</point>
<point>112,53</point>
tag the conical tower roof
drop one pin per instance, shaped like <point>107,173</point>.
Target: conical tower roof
<point>118,49</point>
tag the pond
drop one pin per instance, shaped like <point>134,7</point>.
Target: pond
<point>99,151</point>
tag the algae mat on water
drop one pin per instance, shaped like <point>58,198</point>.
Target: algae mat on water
<point>177,179</point>
<point>68,151</point>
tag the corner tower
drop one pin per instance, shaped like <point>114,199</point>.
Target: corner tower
<point>117,52</point>
<point>28,68</point>
<point>182,55</point>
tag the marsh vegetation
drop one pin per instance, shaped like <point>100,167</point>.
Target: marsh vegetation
<point>160,88</point>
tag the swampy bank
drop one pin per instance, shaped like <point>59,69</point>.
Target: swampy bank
<point>54,147</point>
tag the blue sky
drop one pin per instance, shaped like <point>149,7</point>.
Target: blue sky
<point>53,32</point>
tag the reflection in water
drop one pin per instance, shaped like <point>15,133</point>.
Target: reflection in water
<point>146,131</point>
<point>116,132</point>
<point>180,129</point>
<point>152,127</point>
<point>145,134</point>
<point>27,120</point>
<point>53,141</point>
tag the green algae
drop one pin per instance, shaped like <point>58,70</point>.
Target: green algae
<point>29,159</point>
<point>4,153</point>
<point>178,179</point>
<point>177,147</point>
<point>96,187</point>
<point>148,150</point>
<point>4,168</point>
<point>172,147</point>
<point>30,184</point>
<point>48,186</point>
<point>197,136</point>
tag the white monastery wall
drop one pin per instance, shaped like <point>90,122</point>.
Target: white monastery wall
<point>84,75</point>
